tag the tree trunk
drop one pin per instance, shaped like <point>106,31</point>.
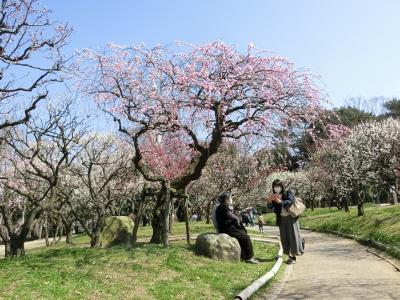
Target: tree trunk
<point>393,191</point>
<point>135,229</point>
<point>68,231</point>
<point>7,248</point>
<point>6,239</point>
<point>346,206</point>
<point>159,222</point>
<point>95,239</point>
<point>17,247</point>
<point>360,208</point>
<point>170,220</point>
<point>187,220</point>
<point>360,205</point>
<point>46,233</point>
<point>54,241</point>
<point>208,213</point>
<point>138,218</point>
<point>40,229</point>
<point>167,214</point>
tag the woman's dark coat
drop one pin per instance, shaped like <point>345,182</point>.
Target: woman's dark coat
<point>286,201</point>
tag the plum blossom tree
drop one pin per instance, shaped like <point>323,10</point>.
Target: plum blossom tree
<point>222,173</point>
<point>352,163</point>
<point>100,180</point>
<point>30,58</point>
<point>376,144</point>
<point>35,156</point>
<point>202,93</point>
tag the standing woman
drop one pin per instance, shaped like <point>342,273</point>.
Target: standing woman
<point>289,227</point>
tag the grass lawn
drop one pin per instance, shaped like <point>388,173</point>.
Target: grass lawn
<point>179,229</point>
<point>145,272</point>
<point>381,223</point>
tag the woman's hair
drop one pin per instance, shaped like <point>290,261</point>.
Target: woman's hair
<point>223,197</point>
<point>278,182</point>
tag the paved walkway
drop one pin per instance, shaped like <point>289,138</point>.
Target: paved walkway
<point>335,268</point>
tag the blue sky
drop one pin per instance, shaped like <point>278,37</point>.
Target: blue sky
<point>354,45</point>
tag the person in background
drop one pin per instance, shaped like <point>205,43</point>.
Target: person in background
<point>260,222</point>
<point>289,227</point>
<point>251,217</point>
<point>229,223</point>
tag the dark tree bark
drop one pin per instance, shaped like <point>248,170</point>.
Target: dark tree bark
<point>208,212</point>
<point>360,204</point>
<point>160,218</point>
<point>68,232</point>
<point>7,248</point>
<point>360,209</point>
<point>138,217</point>
<point>187,219</point>
<point>167,213</point>
<point>17,246</point>
<point>95,239</point>
<point>46,233</point>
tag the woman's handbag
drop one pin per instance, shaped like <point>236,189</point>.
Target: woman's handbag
<point>297,208</point>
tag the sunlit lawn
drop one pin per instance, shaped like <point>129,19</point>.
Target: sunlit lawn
<point>145,272</point>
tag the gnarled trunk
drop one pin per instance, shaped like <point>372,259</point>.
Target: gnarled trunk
<point>360,209</point>
<point>7,248</point>
<point>346,206</point>
<point>160,220</point>
<point>17,246</point>
<point>95,239</point>
<point>208,212</point>
<point>138,218</point>
<point>68,231</point>
<point>360,203</point>
<point>187,219</point>
<point>46,233</point>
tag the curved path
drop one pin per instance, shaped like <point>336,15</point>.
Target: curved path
<point>335,268</point>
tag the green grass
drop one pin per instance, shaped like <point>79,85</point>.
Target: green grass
<point>145,272</point>
<point>381,223</point>
<point>178,229</point>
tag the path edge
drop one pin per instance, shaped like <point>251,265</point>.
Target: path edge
<point>260,282</point>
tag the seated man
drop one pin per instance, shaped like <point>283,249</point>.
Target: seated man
<point>229,223</point>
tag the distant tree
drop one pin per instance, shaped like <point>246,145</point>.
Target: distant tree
<point>393,108</point>
<point>352,116</point>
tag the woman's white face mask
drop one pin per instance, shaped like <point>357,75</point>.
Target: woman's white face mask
<point>277,189</point>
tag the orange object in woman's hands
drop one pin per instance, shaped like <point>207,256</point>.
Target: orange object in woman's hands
<point>270,198</point>
<point>276,198</point>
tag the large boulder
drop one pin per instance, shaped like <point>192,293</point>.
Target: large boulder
<point>116,231</point>
<point>218,246</point>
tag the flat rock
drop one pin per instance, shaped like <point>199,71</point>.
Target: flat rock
<point>218,246</point>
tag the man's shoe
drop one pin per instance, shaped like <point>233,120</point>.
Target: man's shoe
<point>252,261</point>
